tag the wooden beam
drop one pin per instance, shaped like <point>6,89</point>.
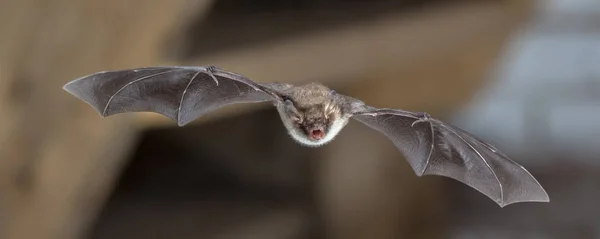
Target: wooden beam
<point>59,158</point>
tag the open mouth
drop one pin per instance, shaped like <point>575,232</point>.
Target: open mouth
<point>317,134</point>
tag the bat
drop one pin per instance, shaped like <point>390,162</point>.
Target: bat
<point>313,115</point>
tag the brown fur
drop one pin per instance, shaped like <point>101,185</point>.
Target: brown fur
<point>316,105</point>
<point>309,95</point>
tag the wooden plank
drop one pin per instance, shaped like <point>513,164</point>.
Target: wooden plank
<point>59,158</point>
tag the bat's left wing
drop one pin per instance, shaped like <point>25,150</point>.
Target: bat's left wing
<point>180,93</point>
<point>433,147</point>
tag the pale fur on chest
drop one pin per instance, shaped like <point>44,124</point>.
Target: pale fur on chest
<point>300,137</point>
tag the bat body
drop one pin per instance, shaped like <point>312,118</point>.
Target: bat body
<point>313,115</point>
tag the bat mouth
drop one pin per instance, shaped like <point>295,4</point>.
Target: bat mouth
<point>316,134</point>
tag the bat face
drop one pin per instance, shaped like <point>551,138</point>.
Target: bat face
<point>311,114</point>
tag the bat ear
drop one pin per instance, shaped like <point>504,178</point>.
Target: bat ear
<point>294,114</point>
<point>296,118</point>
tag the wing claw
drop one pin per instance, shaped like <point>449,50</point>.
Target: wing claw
<point>424,118</point>
<point>210,70</point>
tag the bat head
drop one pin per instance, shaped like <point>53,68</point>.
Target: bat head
<point>311,114</point>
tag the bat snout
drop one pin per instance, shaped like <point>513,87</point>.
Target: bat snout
<point>316,134</point>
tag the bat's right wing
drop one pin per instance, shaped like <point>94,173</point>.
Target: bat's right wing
<point>433,147</point>
<point>180,93</point>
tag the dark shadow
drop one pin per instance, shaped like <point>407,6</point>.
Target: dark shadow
<point>206,180</point>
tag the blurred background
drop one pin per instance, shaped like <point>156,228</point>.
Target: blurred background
<point>521,74</point>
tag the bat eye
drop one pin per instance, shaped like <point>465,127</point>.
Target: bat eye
<point>286,99</point>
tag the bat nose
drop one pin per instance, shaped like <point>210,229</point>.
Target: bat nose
<point>317,134</point>
<point>314,130</point>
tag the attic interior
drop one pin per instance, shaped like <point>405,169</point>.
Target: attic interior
<point>67,173</point>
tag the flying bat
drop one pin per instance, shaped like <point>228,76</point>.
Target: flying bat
<point>313,115</point>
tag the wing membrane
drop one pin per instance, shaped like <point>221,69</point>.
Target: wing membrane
<point>434,148</point>
<point>180,93</point>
